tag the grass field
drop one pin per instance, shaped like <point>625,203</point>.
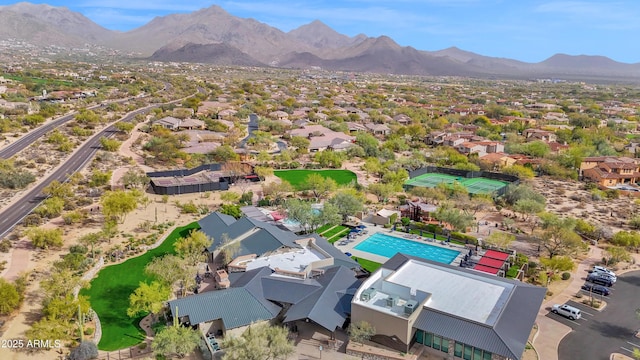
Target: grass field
<point>338,235</point>
<point>297,177</point>
<point>324,228</point>
<point>335,230</point>
<point>368,265</point>
<point>110,290</point>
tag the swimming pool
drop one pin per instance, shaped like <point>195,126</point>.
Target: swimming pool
<point>388,246</point>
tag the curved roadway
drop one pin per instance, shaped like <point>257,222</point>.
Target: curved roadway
<point>14,213</point>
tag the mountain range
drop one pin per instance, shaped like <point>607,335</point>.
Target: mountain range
<point>212,35</point>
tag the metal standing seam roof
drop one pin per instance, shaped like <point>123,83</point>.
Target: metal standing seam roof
<point>509,334</point>
<point>235,306</point>
<point>330,305</point>
<point>268,238</point>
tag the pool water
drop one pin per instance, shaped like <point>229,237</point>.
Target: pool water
<point>388,246</point>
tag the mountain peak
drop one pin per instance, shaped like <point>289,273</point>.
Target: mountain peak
<point>319,35</point>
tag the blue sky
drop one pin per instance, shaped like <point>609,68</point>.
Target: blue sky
<point>527,30</point>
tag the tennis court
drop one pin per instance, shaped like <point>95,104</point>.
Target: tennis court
<point>433,180</point>
<point>478,185</point>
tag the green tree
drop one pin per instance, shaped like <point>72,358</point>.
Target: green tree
<point>347,204</point>
<point>148,298</point>
<point>500,239</point>
<point>99,178</point>
<point>50,208</point>
<point>124,126</point>
<point>259,342</point>
<point>91,240</point>
<point>224,153</point>
<point>558,235</point>
<point>558,264</point>
<point>134,178</point>
<point>110,145</point>
<point>60,190</point>
<point>10,299</point>
<point>381,191</point>
<point>319,185</point>
<point>175,341</point>
<point>169,269</point>
<point>229,248</point>
<point>300,143</point>
<point>117,204</point>
<point>230,196</point>
<point>615,254</point>
<point>263,171</point>
<point>373,166</point>
<point>361,331</point>
<point>457,218</point>
<point>192,247</point>
<point>231,210</point>
<point>45,238</point>
<point>528,207</point>
<point>520,171</point>
<point>368,143</point>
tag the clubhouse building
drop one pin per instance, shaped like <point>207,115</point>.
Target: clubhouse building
<point>454,312</point>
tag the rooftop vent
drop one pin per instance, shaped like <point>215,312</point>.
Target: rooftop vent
<point>410,306</point>
<point>368,294</point>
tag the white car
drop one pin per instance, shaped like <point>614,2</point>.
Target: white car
<point>603,271</point>
<point>567,311</point>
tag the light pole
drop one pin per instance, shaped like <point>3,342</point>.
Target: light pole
<point>320,348</point>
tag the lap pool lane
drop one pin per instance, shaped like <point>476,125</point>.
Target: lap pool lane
<point>601,333</point>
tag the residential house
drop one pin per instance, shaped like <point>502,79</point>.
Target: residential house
<point>610,171</point>
<point>402,119</point>
<point>322,138</point>
<point>538,134</point>
<point>468,148</point>
<point>176,124</point>
<point>497,160</point>
<point>227,114</point>
<point>355,127</point>
<point>378,129</point>
<point>456,313</point>
<point>278,115</point>
<point>275,274</point>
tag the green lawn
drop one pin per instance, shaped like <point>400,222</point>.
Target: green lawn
<point>324,228</point>
<point>297,177</point>
<point>110,290</point>
<point>368,265</point>
<point>335,230</point>
<point>339,235</point>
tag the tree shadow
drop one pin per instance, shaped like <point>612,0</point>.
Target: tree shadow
<point>613,330</point>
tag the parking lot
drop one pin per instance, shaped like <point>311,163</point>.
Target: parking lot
<point>599,333</point>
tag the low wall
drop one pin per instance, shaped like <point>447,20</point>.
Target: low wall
<point>374,353</point>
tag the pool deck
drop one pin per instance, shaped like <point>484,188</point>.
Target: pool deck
<point>350,247</point>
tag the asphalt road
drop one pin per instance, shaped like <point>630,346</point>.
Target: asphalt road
<point>600,333</point>
<point>13,214</point>
<point>26,140</point>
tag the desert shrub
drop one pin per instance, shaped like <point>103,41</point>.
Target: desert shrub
<point>566,275</point>
<point>5,245</point>
<point>464,237</point>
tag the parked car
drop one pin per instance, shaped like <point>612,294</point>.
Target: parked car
<point>567,311</point>
<point>596,289</point>
<point>613,278</point>
<point>604,270</point>
<point>600,280</point>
